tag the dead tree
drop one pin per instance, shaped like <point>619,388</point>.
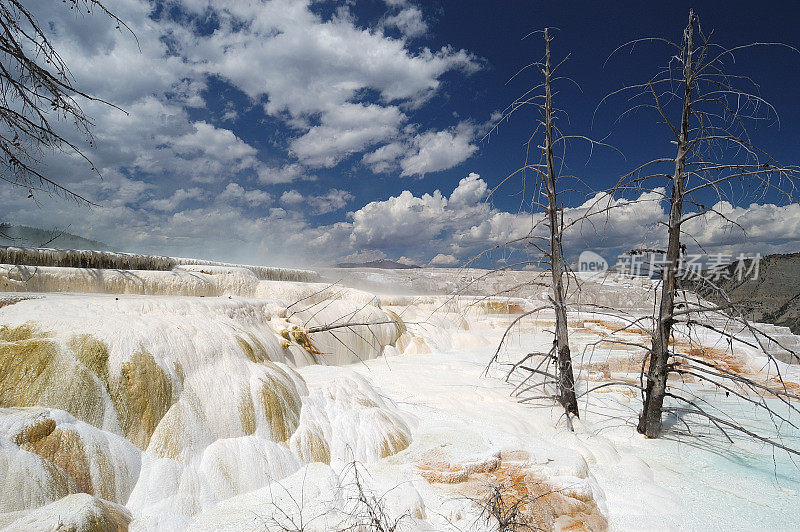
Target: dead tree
<point>548,214</point>
<point>37,91</point>
<point>564,374</point>
<point>706,110</point>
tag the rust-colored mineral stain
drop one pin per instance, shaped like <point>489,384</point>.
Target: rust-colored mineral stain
<point>510,483</point>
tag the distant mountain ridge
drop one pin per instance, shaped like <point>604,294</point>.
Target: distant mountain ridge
<point>380,263</point>
<point>34,237</point>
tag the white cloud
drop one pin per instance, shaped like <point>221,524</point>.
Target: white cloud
<point>230,115</point>
<point>409,21</point>
<point>343,89</point>
<point>220,144</point>
<point>178,197</point>
<point>763,228</point>
<point>113,63</point>
<point>384,158</point>
<point>308,65</point>
<point>470,190</point>
<point>347,129</point>
<point>287,173</point>
<point>235,193</point>
<point>439,150</point>
<point>444,260</point>
<point>154,86</point>
<point>313,69</point>
<point>407,261</point>
<point>617,223</point>
<point>409,225</point>
<point>291,197</point>
<point>464,224</point>
<point>332,200</point>
<point>402,220</point>
<point>399,221</point>
<point>364,256</point>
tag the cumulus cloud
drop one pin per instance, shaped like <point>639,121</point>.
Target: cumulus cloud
<point>409,21</point>
<point>444,260</point>
<point>332,200</point>
<point>399,221</point>
<point>218,151</point>
<point>470,190</point>
<point>384,158</point>
<point>430,227</point>
<point>174,201</point>
<point>404,219</point>
<point>433,151</point>
<point>110,62</point>
<point>337,86</point>
<point>617,223</point>
<point>407,261</point>
<point>364,256</point>
<point>221,144</point>
<point>291,197</point>
<point>766,228</point>
<point>345,130</point>
<point>235,193</point>
<point>155,135</point>
<point>178,175</point>
<point>269,175</point>
<point>308,65</point>
<point>314,71</point>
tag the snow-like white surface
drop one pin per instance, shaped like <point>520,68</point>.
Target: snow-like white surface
<point>387,397</point>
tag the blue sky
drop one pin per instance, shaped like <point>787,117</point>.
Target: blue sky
<point>297,132</point>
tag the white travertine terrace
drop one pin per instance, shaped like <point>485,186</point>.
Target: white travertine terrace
<point>197,399</point>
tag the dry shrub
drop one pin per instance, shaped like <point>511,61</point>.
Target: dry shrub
<point>512,494</point>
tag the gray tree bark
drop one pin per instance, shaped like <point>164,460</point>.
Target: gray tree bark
<point>566,378</point>
<point>656,387</point>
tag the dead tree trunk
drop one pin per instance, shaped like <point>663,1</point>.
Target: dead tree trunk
<point>546,235</point>
<point>565,377</point>
<point>656,386</point>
